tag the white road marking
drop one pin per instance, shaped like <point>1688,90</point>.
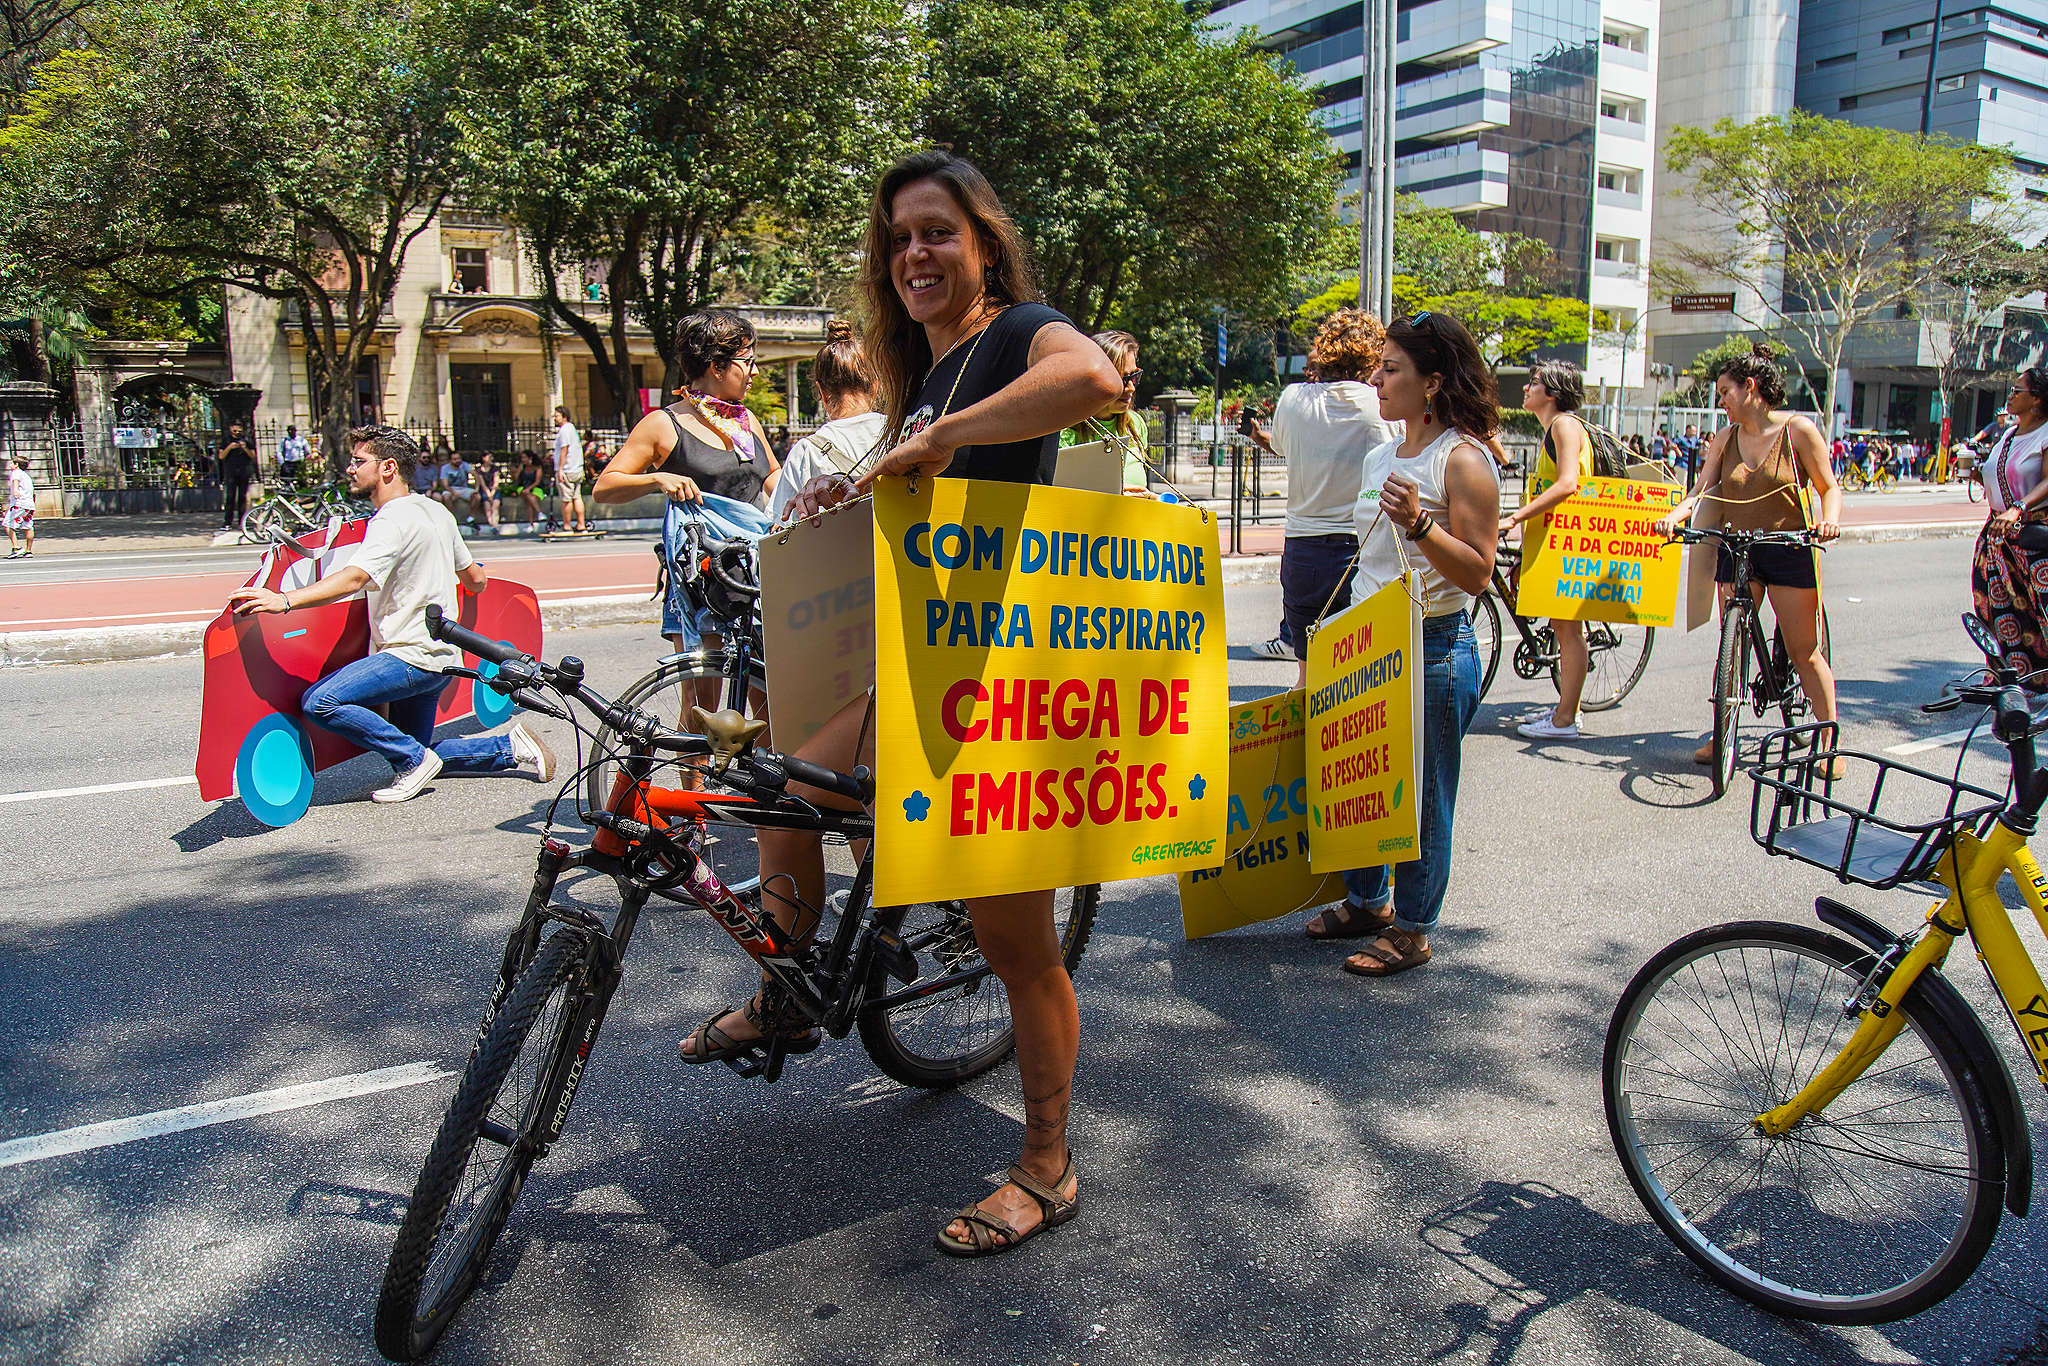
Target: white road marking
<point>55,792</point>
<point>1931,742</point>
<point>87,1137</point>
<point>165,617</point>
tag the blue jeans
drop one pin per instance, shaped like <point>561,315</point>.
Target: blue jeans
<point>1450,699</point>
<point>1315,575</point>
<point>341,703</point>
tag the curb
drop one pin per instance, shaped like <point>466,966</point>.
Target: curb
<point>109,644</point>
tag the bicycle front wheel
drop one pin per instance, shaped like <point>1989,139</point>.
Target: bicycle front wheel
<point>1731,686</point>
<point>964,1029</point>
<point>1870,1211</point>
<point>667,695</point>
<point>1486,632</point>
<point>1618,656</point>
<point>488,1141</point>
<point>263,521</point>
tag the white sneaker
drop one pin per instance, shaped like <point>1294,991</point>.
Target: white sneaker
<point>1542,729</point>
<point>408,784</point>
<point>1275,648</point>
<point>528,750</point>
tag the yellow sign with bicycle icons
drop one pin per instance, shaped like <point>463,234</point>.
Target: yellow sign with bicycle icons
<point>1597,557</point>
<point>1050,689</point>
<point>1364,731</point>
<point>1265,874</point>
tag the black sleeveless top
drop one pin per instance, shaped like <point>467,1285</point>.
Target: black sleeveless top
<point>714,468</point>
<point>991,361</point>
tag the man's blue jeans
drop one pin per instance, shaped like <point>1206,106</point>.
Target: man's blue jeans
<point>1450,699</point>
<point>341,703</point>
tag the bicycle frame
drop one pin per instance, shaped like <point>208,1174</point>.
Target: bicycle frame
<point>1972,906</point>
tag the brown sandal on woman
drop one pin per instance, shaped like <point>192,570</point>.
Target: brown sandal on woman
<point>983,1227</point>
<point>1342,920</point>
<point>771,1014</point>
<point>1403,949</point>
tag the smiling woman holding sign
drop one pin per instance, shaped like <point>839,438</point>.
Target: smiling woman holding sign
<point>1429,502</point>
<point>978,379</point>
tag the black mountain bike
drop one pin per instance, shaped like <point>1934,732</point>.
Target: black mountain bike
<point>1619,654</point>
<point>1750,671</point>
<point>911,979</point>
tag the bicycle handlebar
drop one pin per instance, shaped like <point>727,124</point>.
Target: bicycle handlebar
<point>1730,536</point>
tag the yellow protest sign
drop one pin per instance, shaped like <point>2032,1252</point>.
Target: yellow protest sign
<point>1266,835</point>
<point>818,619</point>
<point>1050,689</point>
<point>1365,731</point>
<point>1596,556</point>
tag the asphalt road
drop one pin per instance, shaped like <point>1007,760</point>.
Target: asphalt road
<point>1279,1162</point>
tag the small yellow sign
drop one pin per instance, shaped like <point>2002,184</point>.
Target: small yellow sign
<point>1267,874</point>
<point>1596,556</point>
<point>1051,688</point>
<point>1365,731</point>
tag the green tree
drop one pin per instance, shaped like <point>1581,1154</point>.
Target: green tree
<point>1699,393</point>
<point>1831,223</point>
<point>663,143</point>
<point>1158,168</point>
<point>294,150</point>
<point>1970,330</point>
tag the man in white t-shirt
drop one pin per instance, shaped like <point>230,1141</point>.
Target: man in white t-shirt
<point>569,471</point>
<point>292,451</point>
<point>411,556</point>
<point>19,512</point>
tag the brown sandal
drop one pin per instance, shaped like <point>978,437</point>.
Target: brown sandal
<point>1342,920</point>
<point>770,1016</point>
<point>1403,950</point>
<point>984,1227</point>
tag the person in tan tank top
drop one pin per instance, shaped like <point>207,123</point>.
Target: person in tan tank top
<point>1750,481</point>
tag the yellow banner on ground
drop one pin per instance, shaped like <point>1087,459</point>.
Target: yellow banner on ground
<point>1266,835</point>
<point>1050,689</point>
<point>1596,556</point>
<point>1365,731</point>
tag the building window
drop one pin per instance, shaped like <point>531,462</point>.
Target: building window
<point>1846,103</point>
<point>1830,63</point>
<point>472,270</point>
<point>1627,39</point>
<point>1620,250</point>
<point>2038,196</point>
<point>1627,182</point>
<point>1951,83</point>
<point>1628,111</point>
<point>1907,34</point>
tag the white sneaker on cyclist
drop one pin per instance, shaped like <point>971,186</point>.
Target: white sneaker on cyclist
<point>530,750</point>
<point>1543,728</point>
<point>1275,648</point>
<point>407,785</point>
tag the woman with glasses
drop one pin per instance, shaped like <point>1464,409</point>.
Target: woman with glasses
<point>1428,501</point>
<point>1118,424</point>
<point>2008,579</point>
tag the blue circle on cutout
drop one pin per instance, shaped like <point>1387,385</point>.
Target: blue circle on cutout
<point>274,771</point>
<point>490,705</point>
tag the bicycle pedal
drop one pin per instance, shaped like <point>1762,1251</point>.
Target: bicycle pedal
<point>751,1063</point>
<point>896,957</point>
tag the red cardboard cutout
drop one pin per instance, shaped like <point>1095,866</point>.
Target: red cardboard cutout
<point>260,666</point>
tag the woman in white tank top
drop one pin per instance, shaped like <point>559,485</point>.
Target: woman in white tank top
<point>1431,501</point>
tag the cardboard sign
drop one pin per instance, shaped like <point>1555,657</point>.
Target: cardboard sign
<point>1365,731</point>
<point>1092,466</point>
<point>817,619</point>
<point>1597,557</point>
<point>1051,688</point>
<point>1266,836</point>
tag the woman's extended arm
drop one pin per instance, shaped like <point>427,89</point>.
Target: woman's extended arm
<point>1067,379</point>
<point>1567,439</point>
<point>631,474</point>
<point>1710,475</point>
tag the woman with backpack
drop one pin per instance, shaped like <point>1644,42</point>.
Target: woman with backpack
<point>845,387</point>
<point>1554,393</point>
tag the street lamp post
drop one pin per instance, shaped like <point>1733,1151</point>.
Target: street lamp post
<point>1375,159</point>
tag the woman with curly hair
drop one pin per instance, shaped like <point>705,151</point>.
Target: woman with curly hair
<point>1428,501</point>
<point>2008,582</point>
<point>1323,429</point>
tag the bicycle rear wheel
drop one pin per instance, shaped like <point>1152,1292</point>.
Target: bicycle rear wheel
<point>488,1140</point>
<point>263,521</point>
<point>667,695</point>
<point>1731,690</point>
<point>1486,632</point>
<point>1618,656</point>
<point>1871,1211</point>
<point>960,1032</point>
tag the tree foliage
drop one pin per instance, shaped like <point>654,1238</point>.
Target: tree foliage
<point>294,149</point>
<point>1159,169</point>
<point>1971,332</point>
<point>665,144</point>
<point>1832,223</point>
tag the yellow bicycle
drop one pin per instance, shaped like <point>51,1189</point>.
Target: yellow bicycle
<point>1822,1123</point>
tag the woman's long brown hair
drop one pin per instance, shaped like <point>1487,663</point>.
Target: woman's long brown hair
<point>896,347</point>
